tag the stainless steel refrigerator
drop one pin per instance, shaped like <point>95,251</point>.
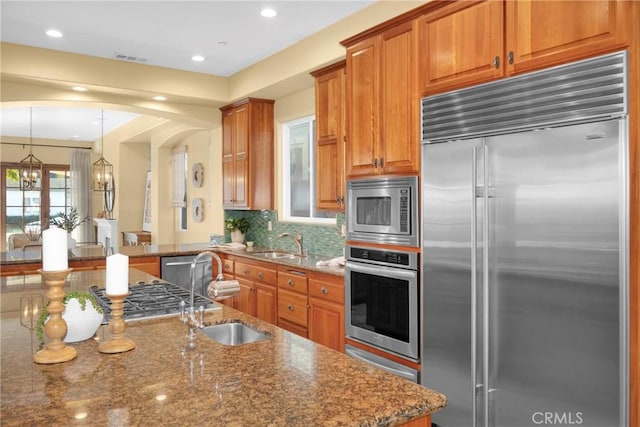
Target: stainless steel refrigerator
<point>524,249</point>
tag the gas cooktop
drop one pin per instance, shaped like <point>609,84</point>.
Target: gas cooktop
<point>151,300</point>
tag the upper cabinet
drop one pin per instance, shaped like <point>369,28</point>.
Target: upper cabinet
<point>545,33</point>
<point>330,136</point>
<point>247,154</point>
<point>461,44</point>
<point>382,103</point>
<point>466,43</point>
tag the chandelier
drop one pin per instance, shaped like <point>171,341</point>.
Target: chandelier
<point>30,166</point>
<point>102,169</point>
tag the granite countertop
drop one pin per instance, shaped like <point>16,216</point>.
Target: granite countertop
<point>283,381</point>
<point>309,262</point>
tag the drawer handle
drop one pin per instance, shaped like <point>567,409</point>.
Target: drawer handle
<point>246,272</point>
<point>260,275</point>
<point>324,290</point>
<point>290,307</point>
<point>290,282</point>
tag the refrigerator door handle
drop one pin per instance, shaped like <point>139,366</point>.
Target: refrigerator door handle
<point>474,303</point>
<point>485,285</point>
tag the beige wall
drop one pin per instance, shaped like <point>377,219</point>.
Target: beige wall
<point>32,76</point>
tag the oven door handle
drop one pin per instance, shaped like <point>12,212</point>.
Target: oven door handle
<point>377,270</point>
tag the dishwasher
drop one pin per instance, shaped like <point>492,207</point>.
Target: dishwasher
<point>177,270</point>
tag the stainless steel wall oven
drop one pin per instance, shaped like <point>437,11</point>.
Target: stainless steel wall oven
<point>382,299</point>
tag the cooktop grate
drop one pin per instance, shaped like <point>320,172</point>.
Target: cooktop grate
<point>149,300</point>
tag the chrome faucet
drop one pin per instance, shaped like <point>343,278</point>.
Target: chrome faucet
<point>297,239</point>
<point>189,317</point>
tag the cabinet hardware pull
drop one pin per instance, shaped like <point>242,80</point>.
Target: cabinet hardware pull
<point>246,272</point>
<point>324,290</point>
<point>290,307</point>
<point>496,62</point>
<point>375,163</point>
<point>260,275</point>
<point>290,282</point>
<point>381,162</point>
<point>510,57</point>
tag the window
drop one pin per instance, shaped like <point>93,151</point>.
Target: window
<point>179,196</point>
<point>29,211</point>
<point>298,173</point>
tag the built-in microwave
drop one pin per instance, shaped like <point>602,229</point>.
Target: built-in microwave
<point>383,210</point>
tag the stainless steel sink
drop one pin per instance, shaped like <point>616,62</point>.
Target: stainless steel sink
<point>234,333</point>
<point>277,255</point>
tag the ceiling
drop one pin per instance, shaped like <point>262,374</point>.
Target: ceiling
<point>230,35</point>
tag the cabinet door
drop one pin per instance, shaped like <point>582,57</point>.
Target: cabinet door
<point>459,45</point>
<point>245,298</point>
<point>363,74</point>
<point>266,303</point>
<point>228,175</point>
<point>398,150</point>
<point>540,35</point>
<point>326,324</point>
<point>292,307</point>
<point>330,140</point>
<point>241,160</point>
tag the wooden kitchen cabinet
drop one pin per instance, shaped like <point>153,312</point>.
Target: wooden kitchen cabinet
<point>539,33</point>
<point>248,154</point>
<point>258,292</point>
<point>330,136</point>
<point>326,311</point>
<point>473,42</point>
<point>382,103</point>
<point>463,43</point>
<point>292,301</point>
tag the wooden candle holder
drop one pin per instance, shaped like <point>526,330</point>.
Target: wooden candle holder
<point>56,351</point>
<point>117,343</point>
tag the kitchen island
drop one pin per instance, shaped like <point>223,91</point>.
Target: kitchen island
<point>285,380</point>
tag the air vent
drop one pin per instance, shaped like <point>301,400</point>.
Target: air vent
<point>130,58</point>
<point>583,91</point>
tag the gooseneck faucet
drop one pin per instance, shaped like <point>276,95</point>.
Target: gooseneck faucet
<point>189,318</point>
<point>297,239</point>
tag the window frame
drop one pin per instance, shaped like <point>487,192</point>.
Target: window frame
<point>45,199</point>
<point>285,168</point>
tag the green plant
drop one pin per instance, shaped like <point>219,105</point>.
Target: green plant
<point>81,296</point>
<point>241,224</point>
<point>68,222</point>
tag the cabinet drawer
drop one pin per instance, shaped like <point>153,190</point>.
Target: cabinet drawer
<point>292,307</point>
<point>227,266</point>
<point>256,272</point>
<point>327,291</point>
<point>292,282</point>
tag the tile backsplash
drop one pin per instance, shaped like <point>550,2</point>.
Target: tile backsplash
<point>318,239</point>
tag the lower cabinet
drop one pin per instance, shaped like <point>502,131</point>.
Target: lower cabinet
<point>326,312</point>
<point>307,303</point>
<point>258,292</point>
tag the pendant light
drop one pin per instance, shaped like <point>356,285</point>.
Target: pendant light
<point>102,169</point>
<point>30,166</point>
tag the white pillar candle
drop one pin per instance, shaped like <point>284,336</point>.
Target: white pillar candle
<point>117,275</point>
<point>54,249</point>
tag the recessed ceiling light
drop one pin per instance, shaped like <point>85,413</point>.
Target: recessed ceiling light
<point>197,58</point>
<point>54,33</point>
<point>267,12</point>
<point>222,43</point>
<point>79,89</point>
<point>160,98</point>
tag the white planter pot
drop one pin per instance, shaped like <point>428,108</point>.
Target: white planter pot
<point>81,324</point>
<point>237,236</point>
